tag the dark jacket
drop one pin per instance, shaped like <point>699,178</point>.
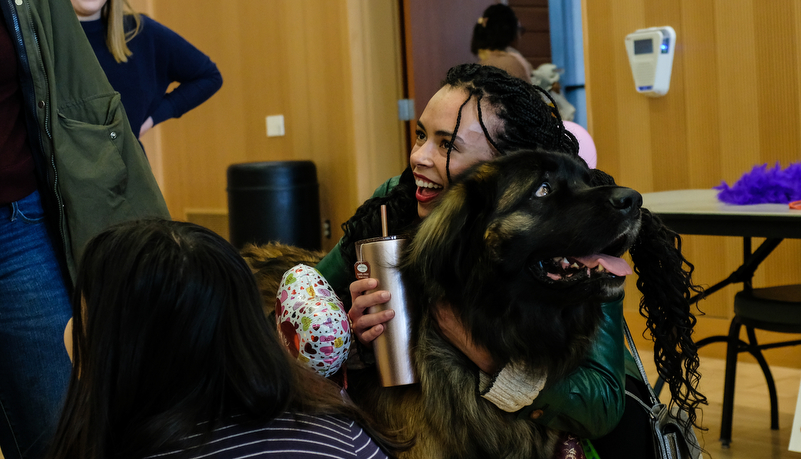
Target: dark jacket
<point>91,168</point>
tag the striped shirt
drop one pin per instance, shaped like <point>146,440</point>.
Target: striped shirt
<point>290,435</point>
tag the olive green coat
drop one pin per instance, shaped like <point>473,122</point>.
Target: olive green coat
<point>92,170</point>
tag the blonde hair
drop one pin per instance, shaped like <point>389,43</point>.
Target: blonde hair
<point>114,12</point>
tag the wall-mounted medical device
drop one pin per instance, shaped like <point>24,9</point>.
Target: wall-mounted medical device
<point>651,57</point>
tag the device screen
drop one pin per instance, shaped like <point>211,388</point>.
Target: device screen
<point>643,46</point>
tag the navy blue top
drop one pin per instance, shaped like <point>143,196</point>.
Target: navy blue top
<point>160,57</point>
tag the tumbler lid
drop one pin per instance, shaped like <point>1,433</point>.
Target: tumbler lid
<point>372,240</point>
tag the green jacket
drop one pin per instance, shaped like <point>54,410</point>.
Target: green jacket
<point>590,401</point>
<point>91,168</point>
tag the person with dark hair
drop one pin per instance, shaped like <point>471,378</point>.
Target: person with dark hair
<point>173,357</point>
<point>142,58</point>
<point>495,37</point>
<point>69,167</point>
<point>479,113</point>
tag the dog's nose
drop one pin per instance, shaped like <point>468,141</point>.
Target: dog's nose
<point>625,200</point>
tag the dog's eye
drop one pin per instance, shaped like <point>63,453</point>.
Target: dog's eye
<point>543,190</point>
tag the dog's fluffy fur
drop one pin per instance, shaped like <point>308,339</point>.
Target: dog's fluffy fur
<point>486,250</point>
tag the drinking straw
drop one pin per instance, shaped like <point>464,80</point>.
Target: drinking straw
<point>384,229</point>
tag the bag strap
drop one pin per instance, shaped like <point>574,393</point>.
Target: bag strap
<point>636,355</point>
<point>688,434</point>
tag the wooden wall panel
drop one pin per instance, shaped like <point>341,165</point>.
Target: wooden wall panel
<point>777,87</point>
<point>733,103</point>
<point>440,37</point>
<point>702,149</point>
<point>535,44</point>
<point>331,68</point>
<point>375,35</point>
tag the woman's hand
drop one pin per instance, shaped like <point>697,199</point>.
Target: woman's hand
<point>454,331</point>
<point>368,326</point>
<point>146,126</point>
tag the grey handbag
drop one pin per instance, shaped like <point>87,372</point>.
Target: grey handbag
<point>671,439</point>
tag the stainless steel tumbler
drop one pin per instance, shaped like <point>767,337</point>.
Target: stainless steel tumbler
<point>392,348</point>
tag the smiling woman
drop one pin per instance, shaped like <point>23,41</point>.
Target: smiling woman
<point>442,150</point>
<point>482,112</point>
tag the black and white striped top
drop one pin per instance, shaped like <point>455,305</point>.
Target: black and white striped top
<point>290,435</point>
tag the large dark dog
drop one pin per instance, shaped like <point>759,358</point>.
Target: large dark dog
<point>524,249</point>
<point>515,247</point>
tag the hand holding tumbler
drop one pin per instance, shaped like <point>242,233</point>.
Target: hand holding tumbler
<point>379,258</point>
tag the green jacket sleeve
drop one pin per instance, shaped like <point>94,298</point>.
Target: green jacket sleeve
<point>590,401</point>
<point>335,270</point>
<point>333,267</point>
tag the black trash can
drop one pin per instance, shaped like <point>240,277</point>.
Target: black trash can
<point>274,201</point>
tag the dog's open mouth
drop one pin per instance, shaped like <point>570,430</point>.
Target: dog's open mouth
<point>570,269</point>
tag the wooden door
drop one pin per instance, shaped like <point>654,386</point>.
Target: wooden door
<point>535,43</point>
<point>437,37</point>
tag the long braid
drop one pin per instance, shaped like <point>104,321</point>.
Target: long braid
<point>665,280</point>
<point>484,127</point>
<point>664,277</point>
<point>453,137</point>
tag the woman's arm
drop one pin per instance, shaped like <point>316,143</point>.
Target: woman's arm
<point>589,402</point>
<point>181,62</point>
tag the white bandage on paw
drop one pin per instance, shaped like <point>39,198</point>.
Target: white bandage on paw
<point>513,388</point>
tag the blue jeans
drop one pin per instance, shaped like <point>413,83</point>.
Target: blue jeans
<point>34,309</point>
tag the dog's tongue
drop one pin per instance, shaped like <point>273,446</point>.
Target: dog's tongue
<point>614,265</point>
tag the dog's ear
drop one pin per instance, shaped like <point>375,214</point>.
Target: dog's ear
<point>448,244</point>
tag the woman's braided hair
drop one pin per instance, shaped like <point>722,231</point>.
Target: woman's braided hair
<point>528,120</point>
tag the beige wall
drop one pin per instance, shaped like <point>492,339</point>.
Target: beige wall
<point>733,103</point>
<point>332,68</point>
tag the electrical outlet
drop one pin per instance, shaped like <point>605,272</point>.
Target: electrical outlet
<point>275,126</point>
<point>327,229</point>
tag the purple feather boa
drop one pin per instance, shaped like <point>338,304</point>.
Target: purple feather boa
<point>764,185</point>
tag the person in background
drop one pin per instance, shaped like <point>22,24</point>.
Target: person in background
<point>69,167</point>
<point>142,58</point>
<point>495,36</point>
<point>174,358</point>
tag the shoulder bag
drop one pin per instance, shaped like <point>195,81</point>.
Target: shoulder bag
<point>671,439</point>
